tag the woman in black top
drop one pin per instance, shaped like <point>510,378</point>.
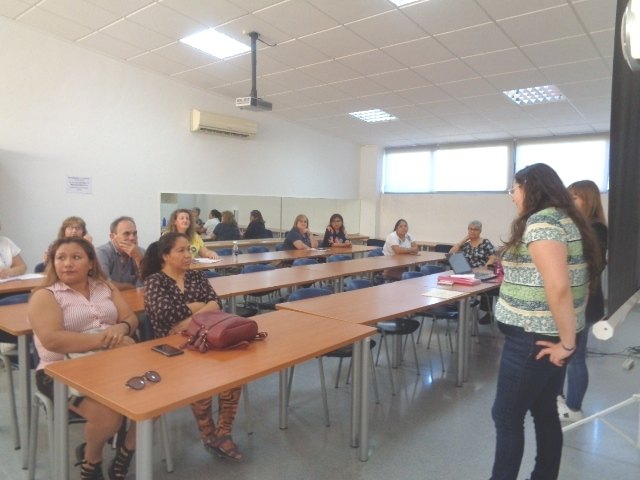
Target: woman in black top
<point>227,229</point>
<point>256,227</point>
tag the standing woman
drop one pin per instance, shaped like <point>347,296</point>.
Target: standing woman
<point>549,261</point>
<point>586,197</point>
<point>77,310</point>
<point>336,235</point>
<point>180,221</point>
<point>300,237</point>
<point>173,293</point>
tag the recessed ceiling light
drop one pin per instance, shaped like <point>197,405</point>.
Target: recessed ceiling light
<point>375,115</point>
<point>215,43</point>
<point>400,3</point>
<point>535,95</point>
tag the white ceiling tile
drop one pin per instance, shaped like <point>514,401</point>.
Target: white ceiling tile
<point>337,42</point>
<point>110,46</point>
<point>296,18</point>
<point>137,35</point>
<point>369,63</point>
<point>490,136</point>
<point>359,86</point>
<point>324,93</point>
<point>426,94</point>
<point>468,88</point>
<point>446,16</point>
<point>295,54</point>
<point>347,105</point>
<point>576,71</point>
<point>605,41</point>
<point>264,86</point>
<point>185,55</point>
<point>594,109</point>
<point>122,7</point>
<point>250,23</point>
<point>591,88</point>
<point>499,9</point>
<point>572,130</point>
<point>542,26</point>
<point>198,78</point>
<point>264,65</point>
<point>347,11</point>
<point>167,22</point>
<point>513,80</point>
<point>13,8</point>
<point>329,72</point>
<point>387,29</point>
<point>445,72</point>
<point>414,114</point>
<point>54,24</point>
<point>320,110</point>
<point>293,99</point>
<point>295,78</point>
<point>155,62</point>
<point>487,103</point>
<point>383,100</point>
<point>476,40</point>
<point>419,52</point>
<point>530,133</point>
<point>495,63</point>
<point>596,14</point>
<point>556,52</point>
<point>230,91</point>
<point>87,14</point>
<point>253,5</point>
<point>205,12</point>
<point>400,80</point>
<point>227,72</point>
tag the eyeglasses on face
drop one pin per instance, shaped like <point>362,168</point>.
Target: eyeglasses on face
<point>138,383</point>
<point>512,190</point>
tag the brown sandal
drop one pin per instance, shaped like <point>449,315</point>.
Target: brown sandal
<point>224,447</point>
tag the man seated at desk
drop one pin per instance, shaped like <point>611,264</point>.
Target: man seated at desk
<point>120,257</point>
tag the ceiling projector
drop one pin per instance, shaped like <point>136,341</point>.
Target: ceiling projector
<point>253,103</point>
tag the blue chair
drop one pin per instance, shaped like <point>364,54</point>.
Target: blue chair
<point>304,261</point>
<point>279,247</point>
<point>39,268</point>
<point>375,253</point>
<point>357,283</point>
<point>375,242</point>
<point>257,249</point>
<point>211,273</point>
<point>8,359</point>
<point>339,257</point>
<point>303,293</point>
<point>408,275</point>
<point>431,269</point>
<point>225,252</point>
<point>270,303</point>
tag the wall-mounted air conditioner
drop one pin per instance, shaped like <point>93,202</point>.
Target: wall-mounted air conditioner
<point>222,125</point>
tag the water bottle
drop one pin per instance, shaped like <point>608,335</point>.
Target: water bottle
<point>235,250</point>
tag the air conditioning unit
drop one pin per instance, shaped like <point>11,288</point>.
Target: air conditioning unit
<point>222,125</point>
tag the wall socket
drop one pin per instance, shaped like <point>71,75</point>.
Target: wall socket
<point>628,364</point>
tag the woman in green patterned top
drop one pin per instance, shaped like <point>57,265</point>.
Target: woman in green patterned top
<point>548,263</point>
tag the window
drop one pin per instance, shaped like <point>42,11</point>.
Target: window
<point>572,160</point>
<point>407,172</point>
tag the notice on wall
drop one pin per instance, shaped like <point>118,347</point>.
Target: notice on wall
<point>78,185</point>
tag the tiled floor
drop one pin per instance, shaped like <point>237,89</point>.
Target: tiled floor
<point>430,430</point>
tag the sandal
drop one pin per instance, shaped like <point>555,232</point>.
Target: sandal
<point>91,471</point>
<point>120,465</point>
<point>224,447</point>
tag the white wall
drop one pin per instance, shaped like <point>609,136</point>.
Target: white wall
<point>65,110</point>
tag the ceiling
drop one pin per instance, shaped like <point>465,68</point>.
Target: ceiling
<point>440,66</point>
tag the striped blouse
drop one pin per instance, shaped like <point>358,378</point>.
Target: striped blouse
<point>80,314</point>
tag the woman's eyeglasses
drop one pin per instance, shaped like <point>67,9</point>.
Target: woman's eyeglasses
<point>138,383</point>
<point>511,191</point>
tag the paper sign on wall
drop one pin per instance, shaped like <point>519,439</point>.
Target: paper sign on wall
<point>78,185</point>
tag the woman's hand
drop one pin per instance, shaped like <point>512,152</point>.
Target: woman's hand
<point>557,353</point>
<point>113,336</point>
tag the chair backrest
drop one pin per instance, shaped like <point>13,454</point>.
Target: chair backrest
<point>304,261</point>
<point>431,269</point>
<point>339,257</point>
<point>267,234</point>
<point>144,328</point>
<point>375,253</point>
<point>39,268</point>
<point>259,267</point>
<point>211,273</point>
<point>225,252</point>
<point>357,283</point>
<point>257,249</point>
<point>442,248</point>
<point>375,242</point>
<point>15,299</point>
<point>310,292</point>
<point>408,275</point>
<point>279,247</point>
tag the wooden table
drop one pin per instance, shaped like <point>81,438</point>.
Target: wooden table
<point>293,338</point>
<point>269,242</point>
<point>19,286</point>
<point>393,300</point>
<point>13,320</point>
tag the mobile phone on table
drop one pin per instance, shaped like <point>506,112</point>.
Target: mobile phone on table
<point>167,350</point>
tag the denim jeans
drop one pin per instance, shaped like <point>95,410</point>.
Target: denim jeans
<point>526,384</point>
<point>577,373</point>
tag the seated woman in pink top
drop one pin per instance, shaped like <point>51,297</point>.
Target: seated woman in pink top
<point>77,310</point>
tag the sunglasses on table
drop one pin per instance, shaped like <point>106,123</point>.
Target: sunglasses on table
<point>138,383</point>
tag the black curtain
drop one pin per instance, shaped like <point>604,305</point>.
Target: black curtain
<point>624,181</point>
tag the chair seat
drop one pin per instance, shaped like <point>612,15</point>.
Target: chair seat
<point>403,326</point>
<point>347,352</point>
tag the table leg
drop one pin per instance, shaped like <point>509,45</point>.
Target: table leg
<point>144,447</point>
<point>467,341</point>
<point>283,398</point>
<point>462,343</point>
<point>232,304</point>
<point>356,394</point>
<point>60,431</point>
<point>363,357</point>
<point>24,382</point>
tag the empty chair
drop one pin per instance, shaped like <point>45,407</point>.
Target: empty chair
<point>357,283</point>
<point>398,328</point>
<point>304,261</point>
<point>375,253</point>
<point>39,268</point>
<point>257,249</point>
<point>431,269</point>
<point>211,273</point>
<point>279,247</point>
<point>442,247</point>
<point>339,257</point>
<point>408,275</point>
<point>268,296</point>
<point>302,293</point>
<point>225,252</point>
<point>375,242</point>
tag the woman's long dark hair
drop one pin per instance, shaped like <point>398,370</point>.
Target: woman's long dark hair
<point>542,188</point>
<point>338,217</point>
<point>256,215</point>
<point>153,261</point>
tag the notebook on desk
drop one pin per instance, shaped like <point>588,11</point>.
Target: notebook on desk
<point>461,266</point>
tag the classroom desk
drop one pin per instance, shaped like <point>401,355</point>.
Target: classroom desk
<point>393,300</point>
<point>269,242</point>
<point>13,320</point>
<point>293,338</point>
<point>19,286</point>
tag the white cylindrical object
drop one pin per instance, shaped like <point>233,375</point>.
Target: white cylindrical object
<point>602,330</point>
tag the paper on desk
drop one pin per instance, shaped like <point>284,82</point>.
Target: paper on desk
<point>441,293</point>
<point>206,260</point>
<point>26,276</point>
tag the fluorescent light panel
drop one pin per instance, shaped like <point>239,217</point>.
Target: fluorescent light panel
<point>215,43</point>
<point>400,3</point>
<point>371,116</point>
<point>535,95</point>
